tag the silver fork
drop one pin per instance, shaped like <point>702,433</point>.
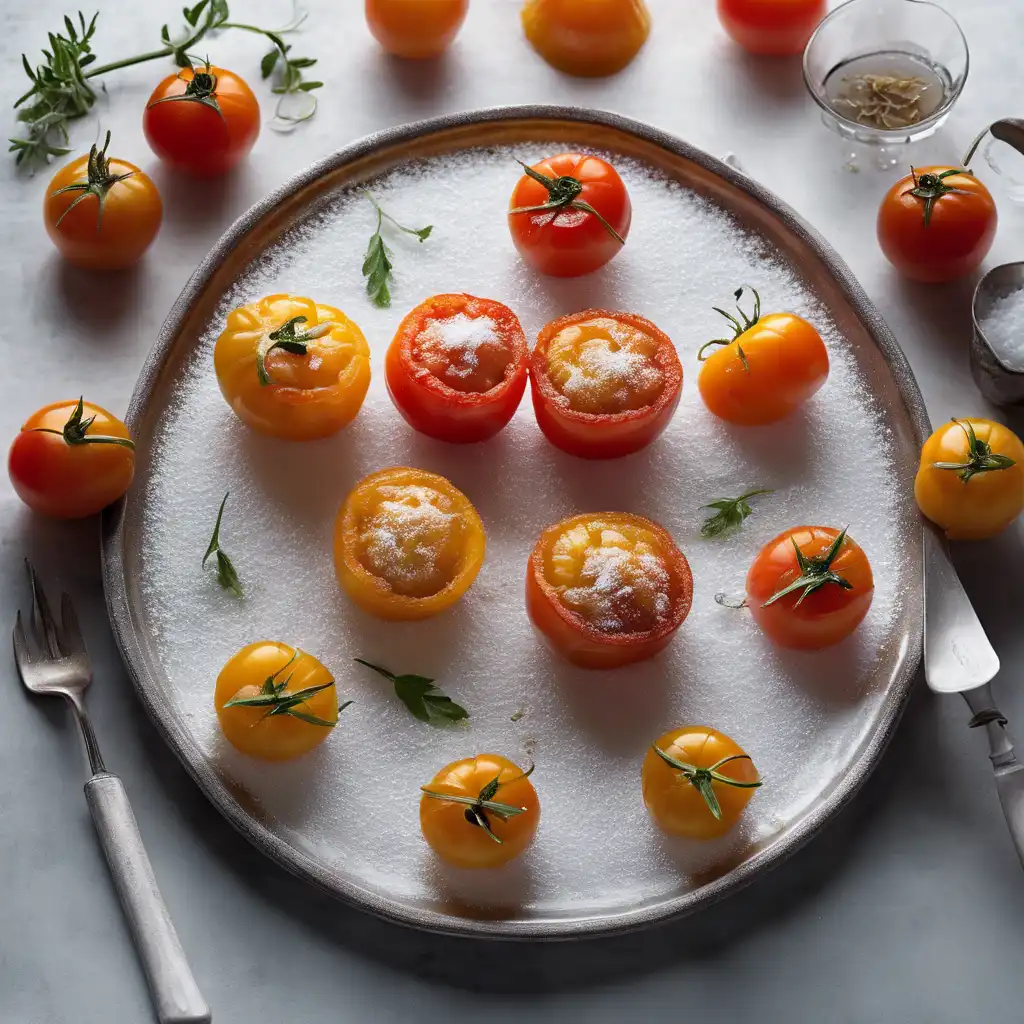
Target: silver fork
<point>54,662</point>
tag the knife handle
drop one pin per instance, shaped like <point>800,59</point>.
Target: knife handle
<point>1009,772</point>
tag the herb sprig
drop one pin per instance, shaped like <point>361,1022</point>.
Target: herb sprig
<point>377,265</point>
<point>419,694</point>
<point>731,513</point>
<point>226,575</point>
<point>62,88</point>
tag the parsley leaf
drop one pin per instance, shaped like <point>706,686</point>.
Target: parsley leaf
<point>419,694</point>
<point>730,515</point>
<point>377,265</point>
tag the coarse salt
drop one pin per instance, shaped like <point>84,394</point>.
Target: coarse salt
<point>1003,326</point>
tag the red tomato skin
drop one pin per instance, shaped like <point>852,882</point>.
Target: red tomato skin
<point>613,435</point>
<point>955,243</point>
<point>433,408</point>
<point>56,481</point>
<point>192,137</point>
<point>771,28</point>
<point>827,616</point>
<point>571,244</point>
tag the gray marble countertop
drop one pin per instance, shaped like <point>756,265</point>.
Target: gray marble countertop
<point>907,908</point>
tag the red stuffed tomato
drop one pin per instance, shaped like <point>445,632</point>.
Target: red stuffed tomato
<point>202,121</point>
<point>604,384</point>
<point>456,369</point>
<point>607,588</point>
<point>810,587</point>
<point>569,214</point>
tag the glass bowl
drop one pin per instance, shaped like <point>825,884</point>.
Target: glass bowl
<point>913,39</point>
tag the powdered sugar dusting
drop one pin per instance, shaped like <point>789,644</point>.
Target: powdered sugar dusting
<point>457,341</point>
<point>352,803</point>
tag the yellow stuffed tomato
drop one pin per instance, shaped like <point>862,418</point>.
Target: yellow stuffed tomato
<point>407,544</point>
<point>292,368</point>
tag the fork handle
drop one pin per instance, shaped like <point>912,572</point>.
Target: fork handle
<point>176,996</point>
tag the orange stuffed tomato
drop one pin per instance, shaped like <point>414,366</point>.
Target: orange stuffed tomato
<point>810,587</point>
<point>772,365</point>
<point>275,702</point>
<point>697,781</point>
<point>456,369</point>
<point>292,368</point>
<point>480,812</point>
<point>607,588</point>
<point>407,544</point>
<point>604,384</point>
<point>587,37</point>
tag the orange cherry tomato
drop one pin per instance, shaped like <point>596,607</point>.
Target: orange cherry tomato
<point>702,794</point>
<point>292,368</point>
<point>587,37</point>
<point>407,544</point>
<point>71,460</point>
<point>771,27</point>
<point>275,702</point>
<point>102,213</point>
<point>202,121</point>
<point>971,478</point>
<point>607,588</point>
<point>937,224</point>
<point>415,29</point>
<point>772,366</point>
<point>604,384</point>
<point>575,219</point>
<point>456,369</point>
<point>814,599</point>
<point>493,818</point>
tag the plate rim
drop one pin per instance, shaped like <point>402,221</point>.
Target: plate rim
<point>295,860</point>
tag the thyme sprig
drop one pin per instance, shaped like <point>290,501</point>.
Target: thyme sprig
<point>702,778</point>
<point>226,575</point>
<point>478,807</point>
<point>980,457</point>
<point>76,431</point>
<point>273,697</point>
<point>419,694</point>
<point>815,573</point>
<point>377,265</point>
<point>731,513</point>
<point>740,325</point>
<point>62,86</point>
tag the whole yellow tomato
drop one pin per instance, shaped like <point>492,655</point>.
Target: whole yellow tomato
<point>480,812</point>
<point>275,702</point>
<point>407,544</point>
<point>697,781</point>
<point>292,368</point>
<point>971,478</point>
<point>587,37</point>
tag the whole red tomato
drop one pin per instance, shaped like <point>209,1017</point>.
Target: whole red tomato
<point>937,224</point>
<point>810,587</point>
<point>771,27</point>
<point>202,120</point>
<point>569,214</point>
<point>456,368</point>
<point>71,460</point>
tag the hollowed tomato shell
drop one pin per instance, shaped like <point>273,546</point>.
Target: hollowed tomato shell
<point>603,435</point>
<point>433,408</point>
<point>569,634</point>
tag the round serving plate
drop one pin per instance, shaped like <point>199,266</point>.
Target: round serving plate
<point>815,724</point>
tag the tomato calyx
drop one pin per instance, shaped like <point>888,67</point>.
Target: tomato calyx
<point>99,181</point>
<point>200,88</point>
<point>701,778</point>
<point>478,807</point>
<point>740,325</point>
<point>932,187</point>
<point>291,339</point>
<point>815,573</point>
<point>563,194</point>
<point>277,702</point>
<point>980,457</point>
<point>75,431</point>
